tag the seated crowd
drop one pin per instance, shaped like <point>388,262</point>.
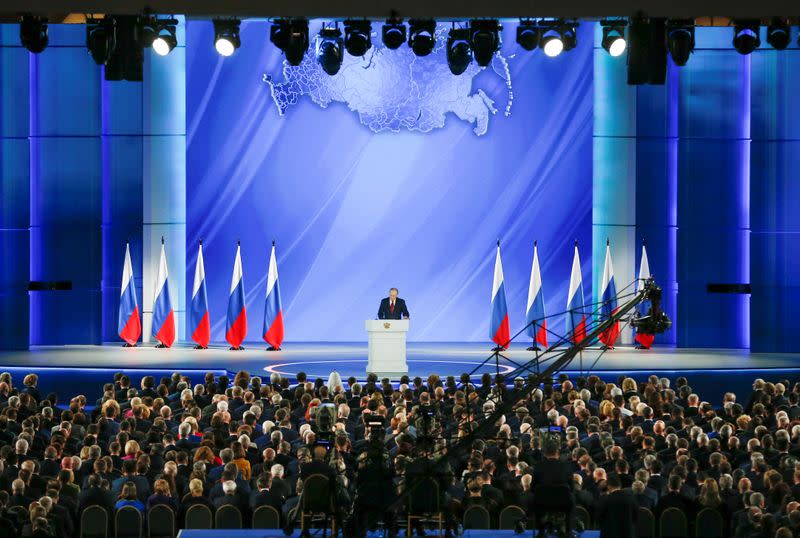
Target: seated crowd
<point>617,447</point>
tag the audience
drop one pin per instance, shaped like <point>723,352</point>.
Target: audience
<point>609,448</point>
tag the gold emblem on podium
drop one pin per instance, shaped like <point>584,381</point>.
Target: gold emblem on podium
<point>386,325</point>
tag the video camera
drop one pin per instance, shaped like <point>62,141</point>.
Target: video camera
<point>656,320</point>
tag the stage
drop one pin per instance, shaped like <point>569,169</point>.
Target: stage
<point>716,370</point>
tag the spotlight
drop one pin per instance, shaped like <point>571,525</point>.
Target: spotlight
<point>459,52</point>
<point>422,36</point>
<point>527,34</point>
<point>33,33</point>
<point>357,37</point>
<point>101,38</point>
<point>165,41</point>
<point>680,40</point>
<point>330,50</point>
<point>147,30</point>
<point>778,34</point>
<point>551,40</point>
<point>745,36</point>
<point>569,35</point>
<point>226,36</point>
<point>394,33</point>
<point>485,40</point>
<point>291,36</point>
<point>614,37</point>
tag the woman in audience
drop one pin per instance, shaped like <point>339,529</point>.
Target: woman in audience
<point>128,497</point>
<point>161,495</point>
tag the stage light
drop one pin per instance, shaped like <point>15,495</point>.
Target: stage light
<point>291,36</point>
<point>459,52</point>
<point>484,38</point>
<point>147,30</point>
<point>422,36</point>
<point>33,33</point>
<point>680,40</point>
<point>614,37</point>
<point>226,36</point>
<point>101,38</point>
<point>394,33</point>
<point>357,37</point>
<point>527,34</point>
<point>569,35</point>
<point>330,50</point>
<point>745,36</point>
<point>778,34</point>
<point>165,39</point>
<point>551,40</point>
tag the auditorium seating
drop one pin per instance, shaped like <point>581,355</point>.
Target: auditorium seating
<point>226,454</point>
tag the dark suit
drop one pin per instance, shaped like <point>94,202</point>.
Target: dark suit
<point>616,514</point>
<point>385,311</point>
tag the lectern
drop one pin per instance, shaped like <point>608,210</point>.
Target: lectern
<point>387,347</point>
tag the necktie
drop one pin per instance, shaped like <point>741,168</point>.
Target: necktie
<point>391,308</point>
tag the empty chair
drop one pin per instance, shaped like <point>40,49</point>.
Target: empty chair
<point>476,517</point>
<point>582,515</point>
<point>228,517</point>
<point>645,524</point>
<point>161,522</point>
<point>510,516</point>
<point>424,504</point>
<point>128,522</point>
<point>94,522</point>
<point>673,524</point>
<point>709,524</point>
<point>317,503</point>
<point>266,517</point>
<point>199,517</point>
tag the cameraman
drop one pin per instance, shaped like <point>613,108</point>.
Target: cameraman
<point>374,481</point>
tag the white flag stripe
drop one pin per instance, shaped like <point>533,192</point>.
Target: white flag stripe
<point>161,277</point>
<point>498,274</point>
<point>574,277</point>
<point>272,272</point>
<point>644,270</point>
<point>608,270</point>
<point>127,270</point>
<point>236,277</point>
<point>536,279</point>
<point>199,272</point>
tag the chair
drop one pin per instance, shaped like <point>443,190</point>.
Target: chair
<point>94,522</point>
<point>645,524</point>
<point>550,501</point>
<point>199,517</point>
<point>582,515</point>
<point>424,504</point>
<point>476,517</point>
<point>673,524</point>
<point>266,517</point>
<point>128,522</point>
<point>509,517</point>
<point>709,524</point>
<point>317,503</point>
<point>228,517</point>
<point>161,522</point>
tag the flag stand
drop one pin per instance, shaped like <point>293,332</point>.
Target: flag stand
<point>198,346</point>
<point>239,348</point>
<point>126,344</point>
<point>273,348</point>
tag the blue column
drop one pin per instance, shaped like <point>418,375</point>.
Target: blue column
<point>122,145</point>
<point>657,188</point>
<point>66,189</point>
<point>164,175</point>
<point>774,192</point>
<point>713,193</point>
<point>14,191</point>
<point>613,172</point>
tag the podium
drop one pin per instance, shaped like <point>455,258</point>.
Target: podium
<point>387,347</point>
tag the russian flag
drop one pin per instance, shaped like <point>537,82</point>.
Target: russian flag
<point>534,316</point>
<point>576,317</point>
<point>198,309</point>
<point>644,340</point>
<point>273,311</point>
<point>499,331</point>
<point>163,315</point>
<point>129,324</point>
<point>236,327</point>
<point>609,300</point>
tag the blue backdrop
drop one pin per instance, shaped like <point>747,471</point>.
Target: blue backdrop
<point>392,173</point>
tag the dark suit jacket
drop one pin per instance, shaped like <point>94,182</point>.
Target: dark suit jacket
<point>616,514</point>
<point>400,309</point>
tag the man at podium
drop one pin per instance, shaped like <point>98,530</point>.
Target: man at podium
<point>393,307</point>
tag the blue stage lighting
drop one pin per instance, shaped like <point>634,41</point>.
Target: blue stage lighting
<point>357,37</point>
<point>459,52</point>
<point>330,50</point>
<point>422,36</point>
<point>745,36</point>
<point>485,40</point>
<point>394,33</point>
<point>527,34</point>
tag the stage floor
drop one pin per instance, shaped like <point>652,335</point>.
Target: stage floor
<point>318,359</point>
